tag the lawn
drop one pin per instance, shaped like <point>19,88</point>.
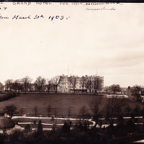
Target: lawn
<point>61,102</point>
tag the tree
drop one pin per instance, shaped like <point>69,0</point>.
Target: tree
<point>49,109</point>
<point>136,92</point>
<point>120,120</point>
<point>115,88</point>
<point>27,128</point>
<point>20,87</point>
<point>97,83</point>
<point>114,108</point>
<point>56,81</point>
<point>40,82</point>
<point>83,111</point>
<point>40,128</point>
<point>95,108</point>
<point>89,84</point>
<point>48,85</point>
<point>17,86</point>
<point>73,80</point>
<point>65,127</point>
<point>10,110</point>
<point>8,84</point>
<point>136,110</point>
<point>32,87</point>
<point>128,109</point>
<point>26,83</point>
<point>83,83</point>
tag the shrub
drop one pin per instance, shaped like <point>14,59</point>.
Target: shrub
<point>10,110</point>
<point>7,96</point>
<point>16,136</point>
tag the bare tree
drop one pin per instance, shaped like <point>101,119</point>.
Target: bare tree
<point>115,88</point>
<point>114,108</point>
<point>83,111</point>
<point>89,84</point>
<point>40,82</point>
<point>48,85</point>
<point>20,87</point>
<point>8,84</point>
<point>95,108</point>
<point>73,80</point>
<point>49,110</point>
<point>83,83</point>
<point>17,86</point>
<point>40,128</point>
<point>10,110</point>
<point>97,83</point>
<point>26,83</point>
<point>56,81</point>
<point>128,109</point>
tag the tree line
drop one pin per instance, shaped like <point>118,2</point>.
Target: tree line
<point>41,84</point>
<point>82,85</point>
<point>25,84</point>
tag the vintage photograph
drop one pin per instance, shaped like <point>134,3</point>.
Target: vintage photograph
<point>71,73</point>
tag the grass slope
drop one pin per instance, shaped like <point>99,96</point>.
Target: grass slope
<point>61,102</point>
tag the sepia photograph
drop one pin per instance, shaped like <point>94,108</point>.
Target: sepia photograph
<point>71,73</point>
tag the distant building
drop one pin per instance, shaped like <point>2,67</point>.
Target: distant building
<point>65,85</point>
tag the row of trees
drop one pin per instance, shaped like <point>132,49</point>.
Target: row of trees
<point>79,132</point>
<point>114,108</point>
<point>25,84</point>
<point>84,83</point>
<point>42,84</point>
<point>137,91</point>
<point>113,88</point>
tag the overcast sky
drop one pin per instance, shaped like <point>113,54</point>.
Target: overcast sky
<point>108,43</point>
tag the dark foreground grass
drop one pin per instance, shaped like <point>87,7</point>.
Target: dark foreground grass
<point>60,103</point>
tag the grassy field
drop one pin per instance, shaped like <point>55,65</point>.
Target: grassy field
<point>61,102</point>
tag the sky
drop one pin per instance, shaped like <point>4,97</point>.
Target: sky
<point>87,41</point>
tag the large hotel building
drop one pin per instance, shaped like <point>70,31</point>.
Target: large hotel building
<point>65,85</point>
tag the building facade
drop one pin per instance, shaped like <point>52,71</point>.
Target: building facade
<point>86,83</point>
